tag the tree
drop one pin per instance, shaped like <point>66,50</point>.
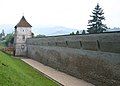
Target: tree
<point>83,32</point>
<point>96,25</point>
<point>72,33</point>
<point>39,36</point>
<point>9,38</point>
<point>77,32</point>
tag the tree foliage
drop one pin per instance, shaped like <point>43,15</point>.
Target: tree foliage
<point>39,36</point>
<point>77,32</point>
<point>83,32</point>
<point>95,24</point>
<point>9,38</point>
<point>72,33</point>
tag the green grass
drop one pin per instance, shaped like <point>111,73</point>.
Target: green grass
<point>14,72</point>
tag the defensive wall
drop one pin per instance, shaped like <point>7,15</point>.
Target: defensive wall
<point>94,58</point>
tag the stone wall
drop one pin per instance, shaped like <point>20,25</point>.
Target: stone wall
<point>94,58</point>
<point>107,42</point>
<point>20,36</point>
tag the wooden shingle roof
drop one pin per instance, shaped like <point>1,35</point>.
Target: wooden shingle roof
<point>23,23</point>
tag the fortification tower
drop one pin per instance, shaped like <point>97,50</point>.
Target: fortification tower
<point>22,32</point>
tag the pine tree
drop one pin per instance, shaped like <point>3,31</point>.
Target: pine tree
<point>83,32</point>
<point>72,33</point>
<point>77,32</point>
<point>96,25</point>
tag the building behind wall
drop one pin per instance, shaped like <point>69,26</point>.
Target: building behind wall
<point>22,32</point>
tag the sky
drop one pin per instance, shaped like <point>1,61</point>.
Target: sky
<point>68,13</point>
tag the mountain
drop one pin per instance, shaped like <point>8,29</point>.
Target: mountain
<point>113,29</point>
<point>40,29</point>
<point>52,30</point>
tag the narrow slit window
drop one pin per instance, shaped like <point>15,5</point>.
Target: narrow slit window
<point>80,43</point>
<point>98,44</point>
<point>23,37</point>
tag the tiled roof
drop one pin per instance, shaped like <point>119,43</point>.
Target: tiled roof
<point>23,23</point>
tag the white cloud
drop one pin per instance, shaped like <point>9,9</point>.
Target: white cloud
<point>69,13</point>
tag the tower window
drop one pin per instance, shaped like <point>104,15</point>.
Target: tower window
<point>23,37</point>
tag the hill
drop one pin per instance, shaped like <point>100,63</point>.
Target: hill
<point>40,29</point>
<point>14,72</point>
<point>52,30</point>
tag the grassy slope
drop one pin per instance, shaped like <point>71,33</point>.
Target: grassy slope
<point>14,72</point>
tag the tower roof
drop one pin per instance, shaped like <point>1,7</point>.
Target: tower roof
<point>23,23</point>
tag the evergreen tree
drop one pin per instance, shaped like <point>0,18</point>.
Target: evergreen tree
<point>96,25</point>
<point>83,32</point>
<point>77,32</point>
<point>72,33</point>
<point>39,36</point>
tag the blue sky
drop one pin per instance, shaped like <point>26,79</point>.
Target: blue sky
<point>67,13</point>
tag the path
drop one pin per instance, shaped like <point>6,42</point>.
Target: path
<point>64,79</point>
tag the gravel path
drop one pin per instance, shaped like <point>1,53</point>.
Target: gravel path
<point>64,79</point>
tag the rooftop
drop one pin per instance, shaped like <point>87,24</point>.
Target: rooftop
<point>23,23</point>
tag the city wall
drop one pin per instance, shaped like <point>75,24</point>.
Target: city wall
<point>94,58</point>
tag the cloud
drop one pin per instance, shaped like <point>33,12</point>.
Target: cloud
<point>68,13</point>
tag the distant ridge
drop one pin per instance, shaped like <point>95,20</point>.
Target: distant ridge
<point>48,30</point>
<point>52,30</point>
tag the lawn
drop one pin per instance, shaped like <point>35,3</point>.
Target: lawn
<point>14,72</point>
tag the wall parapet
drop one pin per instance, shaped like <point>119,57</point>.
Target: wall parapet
<point>107,42</point>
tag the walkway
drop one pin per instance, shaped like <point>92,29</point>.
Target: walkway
<point>64,79</point>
